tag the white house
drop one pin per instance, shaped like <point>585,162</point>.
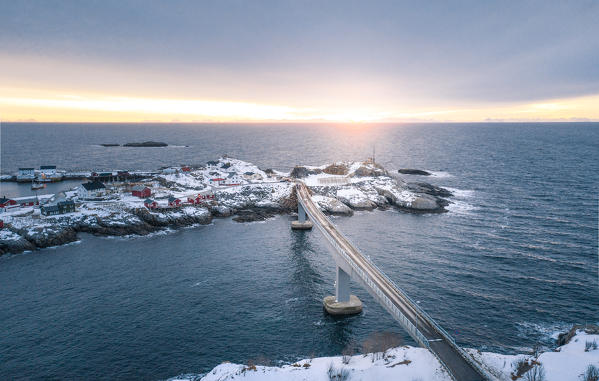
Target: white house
<point>48,170</point>
<point>233,179</point>
<point>92,190</point>
<point>48,173</point>
<point>26,174</point>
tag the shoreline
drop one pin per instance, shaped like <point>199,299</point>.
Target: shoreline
<point>565,361</point>
<point>255,195</point>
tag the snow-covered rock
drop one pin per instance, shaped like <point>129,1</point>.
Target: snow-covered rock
<point>565,363</point>
<point>338,188</point>
<point>332,205</point>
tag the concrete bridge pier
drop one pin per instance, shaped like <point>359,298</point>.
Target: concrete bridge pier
<point>342,303</point>
<point>302,222</point>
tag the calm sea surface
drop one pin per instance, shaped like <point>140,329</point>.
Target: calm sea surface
<point>514,260</point>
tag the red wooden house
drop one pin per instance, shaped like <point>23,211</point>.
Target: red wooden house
<point>27,201</point>
<point>150,204</point>
<point>6,202</point>
<point>141,191</point>
<point>173,201</point>
<point>195,200</point>
<point>186,168</point>
<point>1,224</point>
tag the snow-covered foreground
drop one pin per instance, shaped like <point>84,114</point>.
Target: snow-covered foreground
<point>566,363</point>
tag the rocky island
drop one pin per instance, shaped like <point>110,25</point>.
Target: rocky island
<point>146,144</point>
<point>185,196</point>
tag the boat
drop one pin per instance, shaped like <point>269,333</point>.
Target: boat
<point>37,185</point>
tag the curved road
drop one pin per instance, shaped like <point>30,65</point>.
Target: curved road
<point>438,342</point>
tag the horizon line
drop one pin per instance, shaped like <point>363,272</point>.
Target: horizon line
<point>508,121</point>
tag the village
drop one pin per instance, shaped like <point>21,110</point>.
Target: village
<point>119,203</point>
<point>169,189</point>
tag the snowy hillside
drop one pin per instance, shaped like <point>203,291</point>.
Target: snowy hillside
<point>566,363</point>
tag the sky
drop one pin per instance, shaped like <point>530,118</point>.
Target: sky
<point>343,61</point>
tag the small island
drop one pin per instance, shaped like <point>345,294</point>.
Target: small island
<point>146,144</point>
<point>410,171</point>
<point>110,145</point>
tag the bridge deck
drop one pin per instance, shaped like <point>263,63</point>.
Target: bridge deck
<point>438,342</point>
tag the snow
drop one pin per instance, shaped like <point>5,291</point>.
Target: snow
<point>403,363</point>
<point>407,363</point>
<point>366,186</point>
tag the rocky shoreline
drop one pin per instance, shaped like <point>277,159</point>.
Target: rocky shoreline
<point>338,189</point>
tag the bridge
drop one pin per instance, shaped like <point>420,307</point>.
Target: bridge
<point>351,263</point>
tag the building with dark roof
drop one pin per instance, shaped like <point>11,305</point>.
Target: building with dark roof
<point>92,190</point>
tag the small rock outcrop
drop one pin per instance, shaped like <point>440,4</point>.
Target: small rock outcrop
<point>336,169</point>
<point>565,337</point>
<point>299,172</point>
<point>369,172</point>
<point>146,144</point>
<point>410,171</point>
<point>429,189</point>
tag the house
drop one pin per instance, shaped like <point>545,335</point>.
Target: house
<point>7,202</point>
<point>186,168</point>
<point>27,201</point>
<point>25,174</point>
<point>109,177</point>
<point>217,181</point>
<point>123,175</point>
<point>252,176</point>
<point>50,210</point>
<point>91,190</point>
<point>47,173</point>
<point>61,207</point>
<point>141,191</point>
<point>67,206</point>
<point>212,163</point>
<point>1,224</point>
<point>48,170</point>
<point>173,201</point>
<point>204,196</point>
<point>150,204</point>
<point>232,179</point>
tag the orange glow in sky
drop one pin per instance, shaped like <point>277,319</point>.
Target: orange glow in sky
<point>56,107</point>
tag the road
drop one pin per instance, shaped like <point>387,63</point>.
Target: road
<point>438,343</point>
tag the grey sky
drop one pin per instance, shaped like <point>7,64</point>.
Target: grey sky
<point>479,50</point>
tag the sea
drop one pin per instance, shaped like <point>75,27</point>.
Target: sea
<point>513,261</point>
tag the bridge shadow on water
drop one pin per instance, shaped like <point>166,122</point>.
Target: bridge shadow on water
<point>312,286</point>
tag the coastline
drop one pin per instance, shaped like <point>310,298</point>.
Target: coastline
<point>338,189</point>
<point>567,361</point>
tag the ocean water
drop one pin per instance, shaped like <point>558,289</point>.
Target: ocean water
<point>513,261</point>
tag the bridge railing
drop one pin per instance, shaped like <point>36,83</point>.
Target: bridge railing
<point>446,336</point>
<point>408,325</point>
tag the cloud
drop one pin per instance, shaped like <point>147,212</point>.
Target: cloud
<point>390,56</point>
